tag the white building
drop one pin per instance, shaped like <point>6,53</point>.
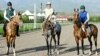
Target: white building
<point>28,13</point>
<point>40,14</point>
<point>62,18</point>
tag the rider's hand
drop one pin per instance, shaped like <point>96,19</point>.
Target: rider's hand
<point>11,17</point>
<point>8,20</point>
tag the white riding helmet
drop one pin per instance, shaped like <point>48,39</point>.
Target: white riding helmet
<point>48,3</point>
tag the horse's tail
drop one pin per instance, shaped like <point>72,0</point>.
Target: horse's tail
<point>94,34</point>
<point>94,29</point>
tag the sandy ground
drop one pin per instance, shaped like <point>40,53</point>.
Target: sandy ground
<point>33,44</point>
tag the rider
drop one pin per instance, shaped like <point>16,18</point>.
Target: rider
<point>84,18</point>
<point>48,11</point>
<point>48,14</point>
<point>8,14</point>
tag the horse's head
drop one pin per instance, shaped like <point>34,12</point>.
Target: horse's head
<point>76,17</point>
<point>17,19</point>
<point>49,27</point>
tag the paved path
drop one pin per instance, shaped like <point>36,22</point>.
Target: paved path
<point>33,44</point>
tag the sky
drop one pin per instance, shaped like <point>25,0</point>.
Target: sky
<point>67,6</point>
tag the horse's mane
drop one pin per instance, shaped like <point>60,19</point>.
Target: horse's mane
<point>78,23</point>
<point>77,19</point>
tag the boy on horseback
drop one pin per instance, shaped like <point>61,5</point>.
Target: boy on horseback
<point>8,14</point>
<point>84,18</point>
<point>48,15</point>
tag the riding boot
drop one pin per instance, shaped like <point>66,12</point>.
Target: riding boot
<point>4,29</point>
<point>4,34</point>
<point>43,25</point>
<point>17,31</point>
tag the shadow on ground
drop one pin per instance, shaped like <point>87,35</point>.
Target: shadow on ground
<point>44,48</point>
<point>33,49</point>
<point>86,47</point>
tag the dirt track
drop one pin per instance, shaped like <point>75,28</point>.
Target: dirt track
<point>33,44</point>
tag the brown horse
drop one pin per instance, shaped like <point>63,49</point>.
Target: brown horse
<point>81,35</point>
<point>11,32</point>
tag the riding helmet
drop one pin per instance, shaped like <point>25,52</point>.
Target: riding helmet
<point>82,7</point>
<point>9,4</point>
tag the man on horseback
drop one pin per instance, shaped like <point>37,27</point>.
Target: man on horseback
<point>84,18</point>
<point>8,14</point>
<point>48,14</point>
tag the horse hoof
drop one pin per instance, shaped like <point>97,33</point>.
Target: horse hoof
<point>83,55</point>
<point>96,53</point>
<point>90,53</point>
<point>7,53</point>
<point>77,55</point>
<point>49,54</point>
<point>57,52</point>
<point>14,54</point>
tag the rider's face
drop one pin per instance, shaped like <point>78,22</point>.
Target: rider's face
<point>82,10</point>
<point>9,7</point>
<point>48,6</point>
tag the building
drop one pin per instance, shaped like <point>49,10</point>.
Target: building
<point>61,18</point>
<point>29,14</point>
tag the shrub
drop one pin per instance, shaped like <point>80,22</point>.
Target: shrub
<point>25,19</point>
<point>40,19</point>
<point>94,18</point>
<point>1,17</point>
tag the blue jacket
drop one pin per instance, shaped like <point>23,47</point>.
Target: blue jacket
<point>83,16</point>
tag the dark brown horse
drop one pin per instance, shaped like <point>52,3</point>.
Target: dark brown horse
<point>11,32</point>
<point>58,32</point>
<point>81,35</point>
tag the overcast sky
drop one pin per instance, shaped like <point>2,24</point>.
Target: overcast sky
<point>59,5</point>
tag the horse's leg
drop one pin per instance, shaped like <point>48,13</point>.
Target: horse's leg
<point>82,43</point>
<point>46,38</point>
<point>50,45</point>
<point>77,42</point>
<point>54,39</point>
<point>95,40</point>
<point>58,35</point>
<point>13,42</point>
<point>8,45</point>
<point>89,38</point>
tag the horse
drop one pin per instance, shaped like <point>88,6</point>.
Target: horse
<point>58,32</point>
<point>79,34</point>
<point>11,32</point>
<point>49,34</point>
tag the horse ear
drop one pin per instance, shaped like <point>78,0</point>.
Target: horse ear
<point>74,9</point>
<point>19,14</point>
<point>77,10</point>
